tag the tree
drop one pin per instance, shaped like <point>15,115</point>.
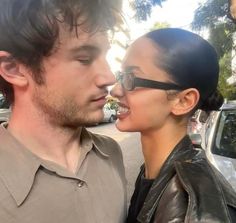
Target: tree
<point>214,17</point>
<point>228,91</point>
<point>143,8</point>
<point>210,14</point>
<point>221,37</point>
<point>160,25</point>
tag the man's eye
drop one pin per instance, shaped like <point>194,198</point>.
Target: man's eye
<point>85,61</point>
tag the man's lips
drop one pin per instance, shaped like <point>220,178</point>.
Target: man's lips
<point>101,96</point>
<point>101,100</point>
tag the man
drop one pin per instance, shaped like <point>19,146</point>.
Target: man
<point>54,72</point>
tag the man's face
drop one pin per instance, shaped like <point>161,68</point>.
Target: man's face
<point>76,79</point>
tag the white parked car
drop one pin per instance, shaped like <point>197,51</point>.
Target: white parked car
<point>4,115</point>
<point>218,138</point>
<point>109,114</point>
<point>4,110</point>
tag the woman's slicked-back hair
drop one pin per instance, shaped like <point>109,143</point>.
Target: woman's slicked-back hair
<point>30,28</point>
<point>191,61</point>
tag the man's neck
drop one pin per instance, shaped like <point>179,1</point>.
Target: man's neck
<point>54,143</point>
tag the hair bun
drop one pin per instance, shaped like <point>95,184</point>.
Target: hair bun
<point>213,102</point>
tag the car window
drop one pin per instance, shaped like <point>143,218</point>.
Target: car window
<point>225,137</point>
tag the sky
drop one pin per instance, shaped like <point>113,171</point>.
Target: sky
<point>178,13</point>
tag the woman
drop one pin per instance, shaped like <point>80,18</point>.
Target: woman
<point>167,75</point>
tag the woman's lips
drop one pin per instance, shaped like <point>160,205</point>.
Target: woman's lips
<point>123,111</point>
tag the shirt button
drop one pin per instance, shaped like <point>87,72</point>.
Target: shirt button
<point>80,184</point>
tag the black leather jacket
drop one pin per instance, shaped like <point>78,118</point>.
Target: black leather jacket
<point>188,189</point>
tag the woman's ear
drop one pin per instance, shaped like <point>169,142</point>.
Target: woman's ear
<point>185,101</point>
<point>11,70</point>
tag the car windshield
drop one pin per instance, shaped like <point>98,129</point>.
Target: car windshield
<point>225,138</point>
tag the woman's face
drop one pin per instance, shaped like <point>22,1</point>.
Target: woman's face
<point>142,109</point>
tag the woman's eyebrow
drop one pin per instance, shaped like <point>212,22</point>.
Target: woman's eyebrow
<point>132,68</point>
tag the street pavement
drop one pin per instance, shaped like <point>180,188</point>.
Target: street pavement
<point>131,148</point>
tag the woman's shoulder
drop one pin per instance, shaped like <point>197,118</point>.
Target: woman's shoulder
<point>207,190</point>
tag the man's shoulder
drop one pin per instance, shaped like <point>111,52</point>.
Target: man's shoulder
<point>111,148</point>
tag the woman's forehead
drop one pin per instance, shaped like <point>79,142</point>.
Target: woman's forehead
<point>142,51</point>
<point>143,44</point>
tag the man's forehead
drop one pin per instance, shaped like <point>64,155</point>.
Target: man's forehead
<point>97,39</point>
<point>80,37</point>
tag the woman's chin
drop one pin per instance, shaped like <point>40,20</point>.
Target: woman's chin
<point>124,127</point>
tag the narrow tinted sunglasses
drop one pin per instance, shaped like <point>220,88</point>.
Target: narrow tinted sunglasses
<point>129,82</point>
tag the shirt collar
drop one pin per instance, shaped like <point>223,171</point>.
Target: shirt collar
<point>19,175</point>
<point>88,139</point>
<point>17,166</point>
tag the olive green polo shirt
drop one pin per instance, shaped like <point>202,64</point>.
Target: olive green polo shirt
<point>33,190</point>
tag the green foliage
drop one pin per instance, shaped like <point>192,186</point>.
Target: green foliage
<point>214,16</point>
<point>112,103</point>
<point>228,91</point>
<point>221,38</point>
<point>210,14</point>
<point>143,8</point>
<point>160,25</point>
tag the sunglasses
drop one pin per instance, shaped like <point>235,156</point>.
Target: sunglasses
<point>129,82</point>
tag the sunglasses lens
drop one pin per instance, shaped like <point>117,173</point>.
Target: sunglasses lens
<point>128,81</point>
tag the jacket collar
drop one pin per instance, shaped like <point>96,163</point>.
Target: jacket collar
<point>182,151</point>
<point>186,157</point>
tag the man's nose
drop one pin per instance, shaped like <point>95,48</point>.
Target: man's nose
<point>105,76</point>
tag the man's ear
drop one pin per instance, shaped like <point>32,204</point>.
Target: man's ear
<point>185,101</point>
<point>11,70</point>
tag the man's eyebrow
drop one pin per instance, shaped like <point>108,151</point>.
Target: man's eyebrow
<point>85,48</point>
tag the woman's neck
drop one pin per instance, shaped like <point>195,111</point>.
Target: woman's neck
<point>157,146</point>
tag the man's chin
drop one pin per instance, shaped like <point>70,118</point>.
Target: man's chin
<point>76,125</point>
<point>83,121</point>
<point>93,122</point>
